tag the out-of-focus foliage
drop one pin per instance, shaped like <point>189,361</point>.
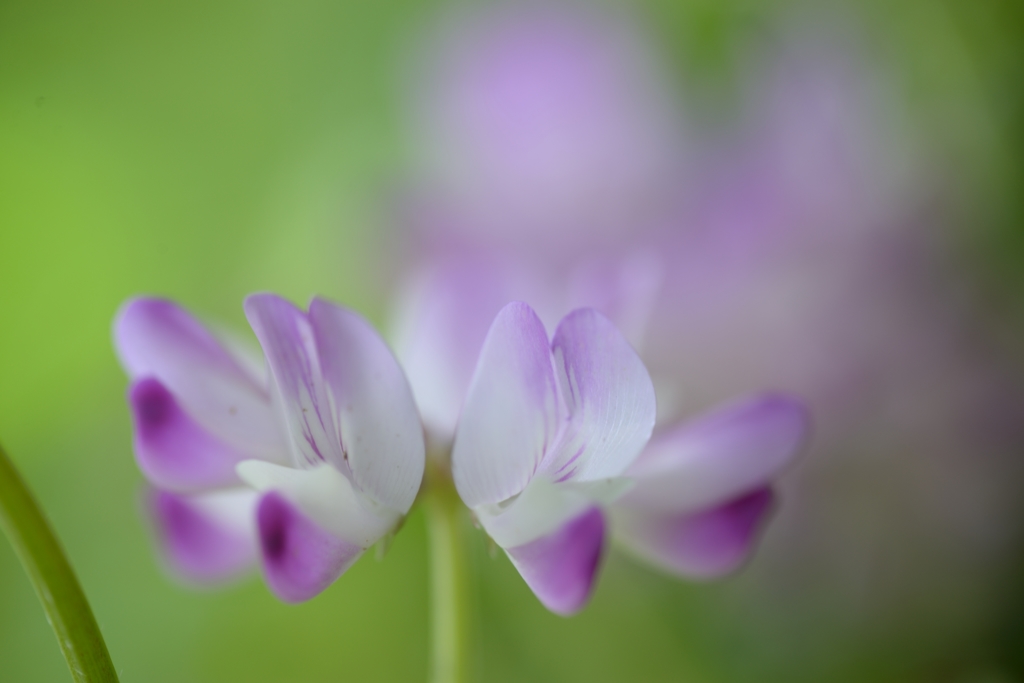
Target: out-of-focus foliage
<point>207,150</point>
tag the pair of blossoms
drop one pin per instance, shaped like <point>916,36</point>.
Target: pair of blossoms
<point>303,459</point>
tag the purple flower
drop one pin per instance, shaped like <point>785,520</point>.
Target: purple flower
<point>547,430</point>
<point>329,438</point>
<point>691,501</point>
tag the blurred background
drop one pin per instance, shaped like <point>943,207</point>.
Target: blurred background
<point>823,198</point>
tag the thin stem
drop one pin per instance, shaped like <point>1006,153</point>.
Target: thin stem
<point>40,553</point>
<point>448,625</point>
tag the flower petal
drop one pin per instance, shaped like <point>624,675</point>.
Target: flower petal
<point>702,463</point>
<point>609,396</point>
<point>289,344</point>
<point>376,415</point>
<point>511,414</point>
<point>205,538</point>
<point>157,338</point>
<point>560,568</point>
<point>173,451</point>
<point>300,559</point>
<point>327,497</point>
<point>698,545</point>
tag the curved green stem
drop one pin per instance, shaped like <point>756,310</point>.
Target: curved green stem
<point>449,614</point>
<point>40,553</point>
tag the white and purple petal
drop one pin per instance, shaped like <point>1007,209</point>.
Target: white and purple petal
<point>511,414</point>
<point>702,544</point>
<point>289,343</point>
<point>300,559</point>
<point>376,413</point>
<point>561,567</point>
<point>539,510</point>
<point>609,397</point>
<point>158,338</point>
<point>705,462</point>
<point>205,538</point>
<point>173,451</point>
<point>325,496</point>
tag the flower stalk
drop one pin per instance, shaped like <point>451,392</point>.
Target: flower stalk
<point>448,580</point>
<point>40,553</point>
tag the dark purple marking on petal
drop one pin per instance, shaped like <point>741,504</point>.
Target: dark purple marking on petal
<point>706,544</point>
<point>570,461</point>
<point>300,559</point>
<point>560,568</point>
<point>153,405</point>
<point>216,383</point>
<point>172,450</point>
<point>197,545</point>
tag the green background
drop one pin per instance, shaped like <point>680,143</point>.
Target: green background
<point>205,150</point>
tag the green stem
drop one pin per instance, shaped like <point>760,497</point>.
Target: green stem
<point>448,625</point>
<point>40,553</point>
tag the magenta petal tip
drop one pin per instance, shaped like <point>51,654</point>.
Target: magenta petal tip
<point>561,568</point>
<point>300,559</point>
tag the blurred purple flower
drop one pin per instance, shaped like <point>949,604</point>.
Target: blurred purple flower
<point>771,261</point>
<point>543,121</point>
<point>330,440</point>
